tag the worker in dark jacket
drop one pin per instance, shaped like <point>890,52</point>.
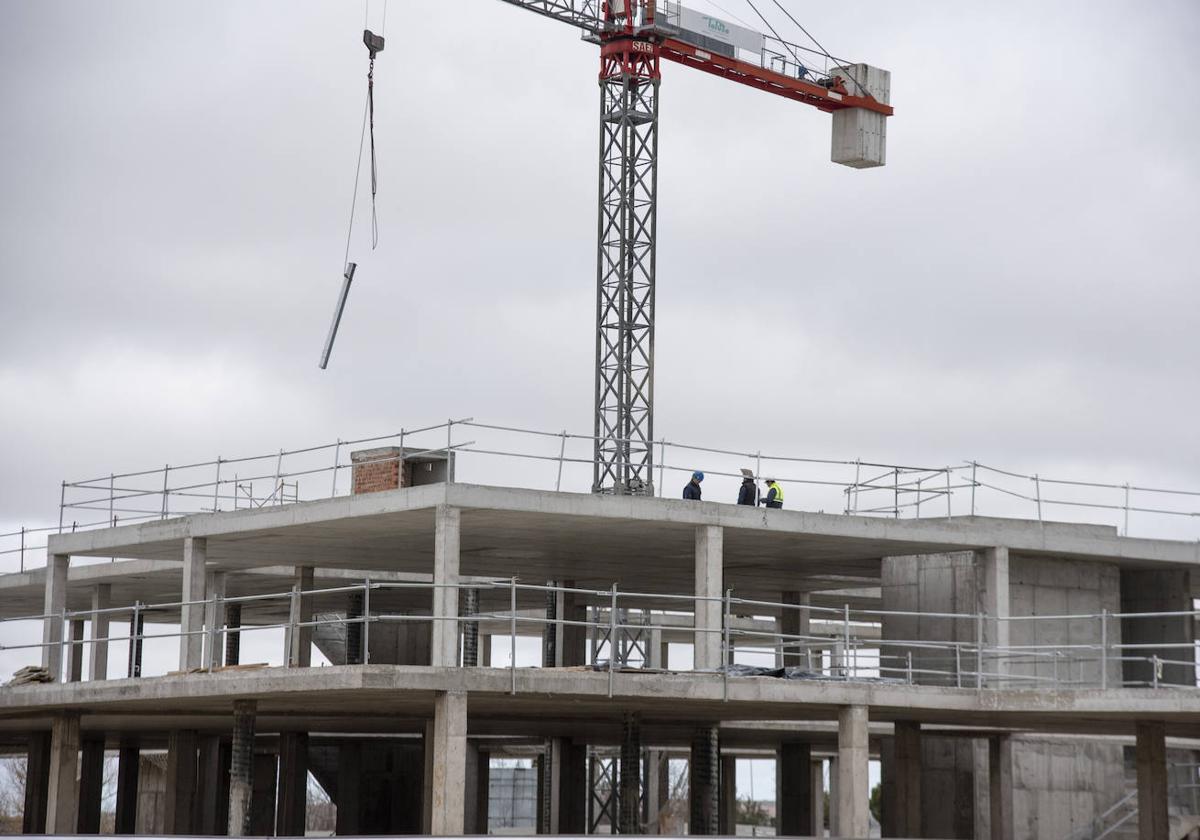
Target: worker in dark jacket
<point>774,497</point>
<point>748,492</point>
<point>691,490</point>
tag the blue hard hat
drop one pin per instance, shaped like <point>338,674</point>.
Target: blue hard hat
<point>699,476</point>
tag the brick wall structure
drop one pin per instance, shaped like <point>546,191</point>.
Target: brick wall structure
<point>379,469</point>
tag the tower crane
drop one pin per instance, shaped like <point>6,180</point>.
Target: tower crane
<point>634,37</point>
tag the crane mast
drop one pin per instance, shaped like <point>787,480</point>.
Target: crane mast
<point>634,36</point>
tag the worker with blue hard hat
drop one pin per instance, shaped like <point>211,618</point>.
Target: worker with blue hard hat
<point>691,490</point>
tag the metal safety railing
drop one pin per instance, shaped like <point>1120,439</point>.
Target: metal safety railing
<point>634,629</point>
<point>500,455</point>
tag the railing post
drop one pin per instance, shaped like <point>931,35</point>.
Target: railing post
<point>277,490</point>
<point>165,507</point>
<point>337,454</point>
<point>979,650</point>
<point>62,503</point>
<point>612,637</point>
<point>857,480</point>
<point>449,443</point>
<point>958,664</point>
<point>135,640</point>
<point>1127,508</point>
<point>949,508</point>
<point>289,636</point>
<point>217,488</point>
<point>1104,648</point>
<point>918,507</point>
<point>215,634</point>
<point>909,669</point>
<point>727,652</point>
<point>366,619</point>
<point>1037,485</point>
<point>111,497</point>
<point>562,451</point>
<point>22,548</point>
<point>846,637</point>
<point>1156,667</point>
<point>512,639</point>
<point>662,466</point>
<point>974,467</point>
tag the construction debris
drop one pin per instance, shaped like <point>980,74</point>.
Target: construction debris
<point>30,674</point>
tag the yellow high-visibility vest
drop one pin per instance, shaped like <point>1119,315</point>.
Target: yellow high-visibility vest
<point>778,490</point>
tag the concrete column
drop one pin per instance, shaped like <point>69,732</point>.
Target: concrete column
<point>62,797</point>
<point>551,635</point>
<point>356,652</point>
<point>852,771</point>
<point>128,764</point>
<point>728,805</point>
<point>470,633</point>
<point>300,654</point>
<point>349,789</point>
<point>834,829</point>
<point>475,789</point>
<point>709,568</point>
<point>793,798</point>
<point>212,788</point>
<point>818,797</point>
<point>1152,780</point>
<point>906,779</point>
<point>449,755</point>
<point>75,660</point>
<point>1000,787</point>
<point>263,795</point>
<point>485,651</point>
<point>795,622</point>
<point>37,782</point>
<point>98,649</point>
<point>191,620</point>
<point>180,810</point>
<point>241,767</point>
<point>233,637</point>
<point>653,787</point>
<point>293,784</point>
<point>444,651</point>
<point>703,782</point>
<point>53,606</point>
<point>137,629</point>
<point>573,645</point>
<point>630,776</point>
<point>994,600</point>
<point>214,619</point>
<point>91,784</point>
<point>573,794</point>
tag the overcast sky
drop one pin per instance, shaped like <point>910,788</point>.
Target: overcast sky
<point>1018,285</point>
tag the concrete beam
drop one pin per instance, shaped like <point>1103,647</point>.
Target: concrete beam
<point>37,782</point>
<point>241,767</point>
<point>62,799</point>
<point>709,572</point>
<point>447,540</point>
<point>1000,787</point>
<point>794,795</point>
<point>191,621</point>
<point>180,810</point>
<point>91,784</point>
<point>55,603</point>
<point>98,648</point>
<point>1153,822</point>
<point>449,758</point>
<point>853,759</point>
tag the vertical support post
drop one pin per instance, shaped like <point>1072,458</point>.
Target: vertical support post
<point>241,767</point>
<point>293,784</point>
<point>974,484</point>
<point>302,631</point>
<point>1104,648</point>
<point>128,764</point>
<point>55,604</point>
<point>180,811</point>
<point>191,621</point>
<point>445,586</point>
<point>613,646</point>
<point>37,781</point>
<point>62,798</point>
<point>994,602</point>
<point>165,491</point>
<point>91,784</point>
<point>630,776</point>
<point>709,573</point>
<point>470,639</point>
<point>818,795</point>
<point>704,769</point>
<point>137,624</point>
<point>75,661</point>
<point>907,782</point>
<point>794,798</point>
<point>98,647</point>
<point>512,637</point>
<point>214,613</point>
<point>217,488</point>
<point>233,636</point>
<point>354,626</point>
<point>562,451</point>
<point>337,453</point>
<point>1000,786</point>
<point>1037,485</point>
<point>22,566</point>
<point>728,803</point>
<point>852,771</point>
<point>366,622</point>
<point>449,763</point>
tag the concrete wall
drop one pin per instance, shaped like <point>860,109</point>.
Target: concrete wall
<point>152,794</point>
<point>947,787</point>
<point>1060,786</point>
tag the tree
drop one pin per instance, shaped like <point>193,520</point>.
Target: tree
<point>876,803</point>
<point>752,812</point>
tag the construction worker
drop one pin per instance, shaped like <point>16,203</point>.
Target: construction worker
<point>774,497</point>
<point>691,490</point>
<point>748,492</point>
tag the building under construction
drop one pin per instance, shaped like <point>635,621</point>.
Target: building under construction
<point>1014,678</point>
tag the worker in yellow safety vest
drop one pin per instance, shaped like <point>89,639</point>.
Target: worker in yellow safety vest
<point>774,496</point>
